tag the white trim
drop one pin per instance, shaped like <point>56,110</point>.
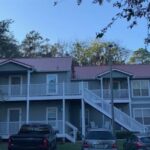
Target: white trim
<point>87,113</point>
<point>16,108</point>
<point>15,62</point>
<point>56,115</point>
<point>47,91</point>
<point>140,89</point>
<point>83,117</point>
<point>8,116</point>
<point>141,109</point>
<point>10,83</point>
<point>101,74</point>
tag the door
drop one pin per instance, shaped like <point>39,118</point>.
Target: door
<point>51,84</point>
<point>15,85</point>
<point>14,120</point>
<point>52,116</point>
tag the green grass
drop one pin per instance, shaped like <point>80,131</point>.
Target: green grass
<point>69,146</point>
<point>63,146</point>
<point>3,146</point>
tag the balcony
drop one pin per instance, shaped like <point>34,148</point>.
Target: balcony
<point>58,91</point>
<point>40,90</point>
<point>117,93</point>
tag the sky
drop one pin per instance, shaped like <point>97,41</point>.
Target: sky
<point>69,22</point>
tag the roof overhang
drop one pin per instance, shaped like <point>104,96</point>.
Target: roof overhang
<point>17,63</point>
<point>117,70</point>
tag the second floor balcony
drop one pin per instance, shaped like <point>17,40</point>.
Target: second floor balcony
<point>57,91</point>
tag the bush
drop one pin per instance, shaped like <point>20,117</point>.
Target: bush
<point>123,134</point>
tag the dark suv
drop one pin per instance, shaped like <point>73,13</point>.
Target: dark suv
<point>33,137</point>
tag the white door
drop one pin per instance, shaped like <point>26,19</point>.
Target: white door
<point>15,85</point>
<point>52,116</point>
<point>51,84</point>
<point>14,120</point>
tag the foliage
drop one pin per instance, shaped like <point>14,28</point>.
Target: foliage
<point>123,134</point>
<point>97,53</point>
<point>33,44</point>
<point>8,44</point>
<point>130,10</point>
<point>141,56</point>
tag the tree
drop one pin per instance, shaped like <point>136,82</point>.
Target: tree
<point>130,10</point>
<point>141,56</point>
<point>96,53</point>
<point>33,44</point>
<point>8,44</point>
<point>57,50</point>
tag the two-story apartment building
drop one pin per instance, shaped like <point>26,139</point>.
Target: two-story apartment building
<point>71,98</point>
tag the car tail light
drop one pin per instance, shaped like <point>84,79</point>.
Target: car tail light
<point>45,142</point>
<point>85,145</point>
<point>114,145</point>
<point>10,142</point>
<point>139,145</point>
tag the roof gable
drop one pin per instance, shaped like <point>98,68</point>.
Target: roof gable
<point>12,61</point>
<point>114,70</point>
<point>56,64</point>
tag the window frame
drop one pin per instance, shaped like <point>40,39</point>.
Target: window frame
<point>47,82</point>
<point>140,88</point>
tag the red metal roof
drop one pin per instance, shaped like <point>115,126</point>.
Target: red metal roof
<point>91,72</point>
<point>45,64</point>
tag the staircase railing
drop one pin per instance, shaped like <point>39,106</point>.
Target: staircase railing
<point>120,117</point>
<point>71,132</point>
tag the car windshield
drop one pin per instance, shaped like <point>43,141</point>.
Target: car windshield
<point>100,135</point>
<point>145,139</point>
<point>34,129</point>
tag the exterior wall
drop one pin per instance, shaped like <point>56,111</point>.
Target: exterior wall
<point>12,67</point>
<point>4,106</point>
<point>115,74</point>
<point>94,84</point>
<point>123,107</point>
<point>37,110</point>
<point>75,113</point>
<point>36,78</point>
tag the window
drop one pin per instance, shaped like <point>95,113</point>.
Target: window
<point>140,88</point>
<point>51,84</point>
<point>52,116</point>
<point>15,85</point>
<point>142,115</point>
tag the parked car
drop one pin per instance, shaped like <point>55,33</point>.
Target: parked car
<point>99,139</point>
<point>33,137</point>
<point>137,142</point>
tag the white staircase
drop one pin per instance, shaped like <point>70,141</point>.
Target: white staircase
<point>70,132</point>
<point>120,117</point>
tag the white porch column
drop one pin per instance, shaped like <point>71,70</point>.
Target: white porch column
<point>102,88</point>
<point>83,117</point>
<point>83,111</point>
<point>63,109</point>
<point>28,92</point>
<point>129,92</point>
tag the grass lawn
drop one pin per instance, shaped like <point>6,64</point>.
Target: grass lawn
<point>66,146</point>
<point>61,146</point>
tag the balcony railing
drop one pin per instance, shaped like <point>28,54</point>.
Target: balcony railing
<point>61,89</point>
<point>117,94</point>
